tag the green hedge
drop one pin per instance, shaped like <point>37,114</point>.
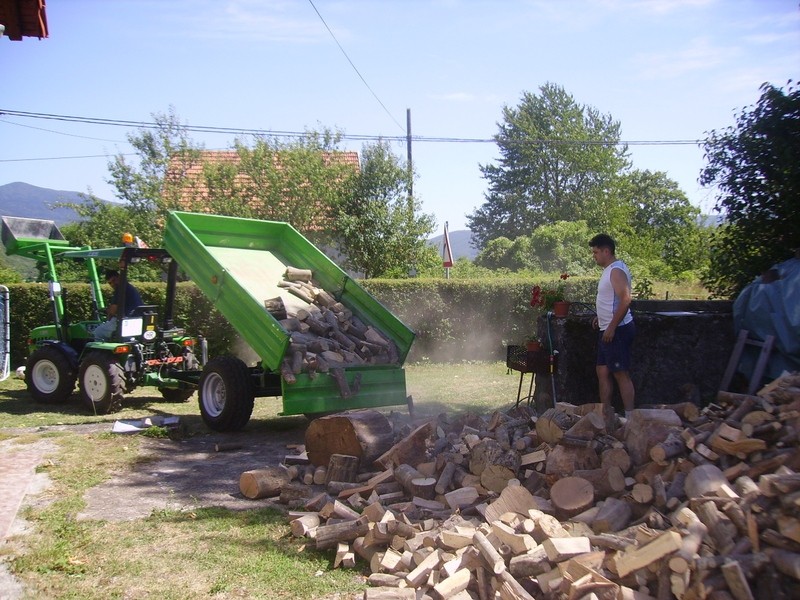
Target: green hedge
<point>453,320</point>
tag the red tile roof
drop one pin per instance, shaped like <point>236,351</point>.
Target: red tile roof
<point>23,18</point>
<point>188,174</point>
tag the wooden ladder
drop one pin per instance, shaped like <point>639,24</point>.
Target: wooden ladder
<point>736,356</point>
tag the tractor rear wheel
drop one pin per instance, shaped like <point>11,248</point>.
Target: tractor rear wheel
<point>226,394</point>
<point>50,375</point>
<point>102,383</point>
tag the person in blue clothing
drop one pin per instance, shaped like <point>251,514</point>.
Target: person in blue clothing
<point>615,323</point>
<point>105,330</point>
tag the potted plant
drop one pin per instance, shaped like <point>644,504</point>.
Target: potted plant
<point>552,298</point>
<point>533,344</point>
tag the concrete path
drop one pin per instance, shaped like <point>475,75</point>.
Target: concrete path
<point>18,464</point>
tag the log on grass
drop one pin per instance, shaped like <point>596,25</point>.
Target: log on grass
<point>365,434</point>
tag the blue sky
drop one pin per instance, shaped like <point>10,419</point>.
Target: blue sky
<point>665,69</point>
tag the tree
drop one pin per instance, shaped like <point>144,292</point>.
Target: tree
<point>378,226</point>
<point>558,159</point>
<point>151,187</point>
<point>755,165</point>
<point>658,225</point>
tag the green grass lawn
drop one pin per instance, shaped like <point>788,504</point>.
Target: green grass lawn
<point>207,553</point>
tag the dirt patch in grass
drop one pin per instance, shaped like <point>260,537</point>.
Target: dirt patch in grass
<point>189,473</point>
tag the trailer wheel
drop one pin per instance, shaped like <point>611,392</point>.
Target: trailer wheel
<point>102,383</point>
<point>226,394</point>
<point>176,394</point>
<point>49,375</point>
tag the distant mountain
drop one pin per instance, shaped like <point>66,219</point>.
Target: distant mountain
<point>24,200</point>
<point>459,244</point>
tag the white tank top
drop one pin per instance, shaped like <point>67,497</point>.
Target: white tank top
<point>607,302</point>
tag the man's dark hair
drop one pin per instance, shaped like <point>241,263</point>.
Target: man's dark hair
<point>111,273</point>
<point>603,240</point>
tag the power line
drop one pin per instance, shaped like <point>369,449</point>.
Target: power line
<point>355,137</point>
<point>354,67</point>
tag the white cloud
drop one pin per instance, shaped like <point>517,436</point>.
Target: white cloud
<point>699,55</point>
<point>256,20</point>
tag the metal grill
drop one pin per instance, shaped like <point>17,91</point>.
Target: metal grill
<point>520,359</point>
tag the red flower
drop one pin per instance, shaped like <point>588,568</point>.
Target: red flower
<point>547,296</point>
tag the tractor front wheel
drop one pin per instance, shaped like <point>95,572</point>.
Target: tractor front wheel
<point>102,383</point>
<point>226,394</point>
<point>50,375</point>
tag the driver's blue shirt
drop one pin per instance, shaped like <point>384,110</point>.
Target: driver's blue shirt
<point>132,298</point>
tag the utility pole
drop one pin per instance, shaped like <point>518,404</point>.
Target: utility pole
<point>408,152</point>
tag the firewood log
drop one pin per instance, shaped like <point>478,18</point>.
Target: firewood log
<point>263,483</point>
<point>552,424</point>
<point>571,495</point>
<point>365,434</point>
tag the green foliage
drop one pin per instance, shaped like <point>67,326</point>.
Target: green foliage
<point>563,177</point>
<point>643,289</point>
<point>557,159</point>
<point>755,165</point>
<point>378,226</point>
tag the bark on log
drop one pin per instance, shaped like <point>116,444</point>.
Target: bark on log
<point>263,483</point>
<point>364,434</point>
<point>606,482</point>
<point>329,536</point>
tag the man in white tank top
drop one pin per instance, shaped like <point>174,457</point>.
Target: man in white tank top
<point>615,322</point>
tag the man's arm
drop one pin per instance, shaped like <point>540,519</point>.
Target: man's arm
<point>619,281</point>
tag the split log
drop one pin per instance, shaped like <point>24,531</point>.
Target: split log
<point>341,467</point>
<point>552,425</point>
<point>703,480</point>
<point>564,460</point>
<point>263,483</point>
<point>614,515</point>
<point>410,450</point>
<point>365,434</point>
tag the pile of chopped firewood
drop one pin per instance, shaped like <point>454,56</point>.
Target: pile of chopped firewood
<point>675,501</point>
<point>324,334</point>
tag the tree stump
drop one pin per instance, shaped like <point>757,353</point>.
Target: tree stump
<point>365,434</point>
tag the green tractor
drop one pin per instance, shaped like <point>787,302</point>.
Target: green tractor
<point>142,351</point>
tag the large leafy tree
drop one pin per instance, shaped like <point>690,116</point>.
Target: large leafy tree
<point>558,160</point>
<point>658,225</point>
<point>378,226</point>
<point>755,165</point>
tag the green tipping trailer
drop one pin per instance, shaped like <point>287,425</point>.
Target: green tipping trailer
<point>238,264</point>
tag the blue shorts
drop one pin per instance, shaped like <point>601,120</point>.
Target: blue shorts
<point>616,354</point>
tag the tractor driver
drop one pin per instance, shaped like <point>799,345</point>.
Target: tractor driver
<point>105,330</point>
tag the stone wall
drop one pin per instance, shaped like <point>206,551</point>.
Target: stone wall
<point>680,353</point>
